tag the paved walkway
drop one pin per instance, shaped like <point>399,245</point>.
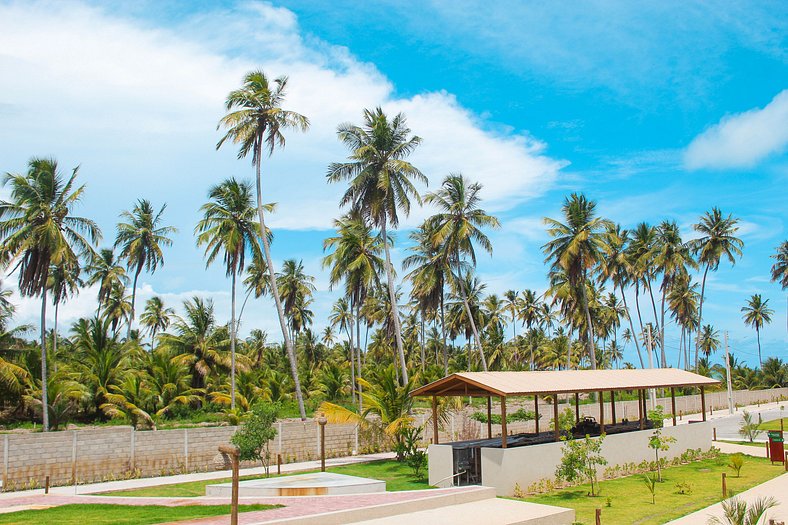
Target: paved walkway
<point>109,486</point>
<point>777,488</point>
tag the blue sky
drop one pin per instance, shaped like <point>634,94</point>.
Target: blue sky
<point>655,110</point>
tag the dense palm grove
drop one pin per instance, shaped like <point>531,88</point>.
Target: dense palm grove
<point>610,289</point>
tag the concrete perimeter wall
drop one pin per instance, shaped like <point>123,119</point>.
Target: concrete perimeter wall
<point>84,456</point>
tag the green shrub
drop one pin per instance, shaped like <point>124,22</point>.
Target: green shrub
<point>737,462</point>
<point>253,436</point>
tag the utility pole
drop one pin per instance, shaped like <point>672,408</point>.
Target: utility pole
<point>652,394</point>
<point>728,373</point>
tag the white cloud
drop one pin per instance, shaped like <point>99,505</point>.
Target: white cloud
<point>742,140</point>
<point>139,104</point>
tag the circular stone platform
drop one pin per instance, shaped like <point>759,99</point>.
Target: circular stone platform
<point>315,484</point>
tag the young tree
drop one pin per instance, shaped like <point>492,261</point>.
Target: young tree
<point>255,434</point>
<point>749,428</point>
<point>659,443</point>
<point>255,120</point>
<point>580,461</point>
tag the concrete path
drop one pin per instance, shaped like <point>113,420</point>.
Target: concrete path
<point>777,488</point>
<point>728,425</point>
<point>110,486</point>
<point>732,448</point>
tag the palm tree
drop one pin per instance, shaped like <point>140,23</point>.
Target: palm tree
<point>156,317</point>
<point>576,248</point>
<point>455,228</point>
<point>196,342</point>
<point>717,240</point>
<point>672,258</point>
<point>118,308</point>
<point>38,230</point>
<point>356,260</point>
<point>255,120</point>
<point>380,185</point>
<point>295,289</point>
<point>709,340</point>
<point>513,306</point>
<point>228,228</point>
<point>736,511</point>
<point>100,357</point>
<point>141,239</point>
<point>780,268</point>
<point>63,283</point>
<point>756,314</point>
<point>104,271</point>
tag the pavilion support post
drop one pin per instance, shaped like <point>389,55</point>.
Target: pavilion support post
<point>489,417</point>
<point>613,406</point>
<point>536,412</point>
<point>435,420</point>
<point>577,408</point>
<point>503,422</point>
<point>640,409</point>
<point>646,393</point>
<point>673,404</point>
<point>703,401</point>
<point>556,426</point>
<point>602,411</point>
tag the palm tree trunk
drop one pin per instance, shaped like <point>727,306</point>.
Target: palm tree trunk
<point>758,337</point>
<point>44,398</point>
<point>232,343</point>
<point>358,354</point>
<point>275,291</point>
<point>631,326</point>
<point>663,357</point>
<point>133,300</point>
<point>589,326</point>
<point>54,339</point>
<point>700,315</point>
<point>443,337</point>
<point>423,356</point>
<point>393,299</point>
<point>653,303</point>
<point>637,307</point>
<point>349,330</point>
<point>569,349</point>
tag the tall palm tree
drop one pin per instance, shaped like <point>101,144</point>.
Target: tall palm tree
<point>295,289</point>
<point>709,340</point>
<point>757,314</point>
<point>38,230</point>
<point>228,228</point>
<point>104,271</point>
<point>356,260</point>
<point>717,240</point>
<point>117,309</point>
<point>576,248</point>
<point>428,278</point>
<point>63,282</point>
<point>156,317</point>
<point>513,306</point>
<point>141,239</point>
<point>455,228</point>
<point>616,267</point>
<point>780,268</point>
<point>672,258</point>
<point>380,185</point>
<point>255,121</point>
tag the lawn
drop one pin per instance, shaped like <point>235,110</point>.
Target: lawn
<point>397,476</point>
<point>773,425</point>
<point>119,514</point>
<point>630,500</point>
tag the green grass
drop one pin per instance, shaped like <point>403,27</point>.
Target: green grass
<point>631,501</point>
<point>773,425</point>
<point>79,514</point>
<point>397,476</point>
<point>754,444</point>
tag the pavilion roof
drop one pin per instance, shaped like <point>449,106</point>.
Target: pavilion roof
<point>559,382</point>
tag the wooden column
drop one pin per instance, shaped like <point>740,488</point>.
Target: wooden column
<point>577,408</point>
<point>555,418</point>
<point>640,408</point>
<point>489,417</point>
<point>503,422</point>
<point>613,406</point>
<point>703,401</point>
<point>435,420</point>
<point>536,412</point>
<point>673,403</point>
<point>602,411</point>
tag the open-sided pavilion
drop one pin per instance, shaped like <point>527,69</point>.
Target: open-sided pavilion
<point>504,385</point>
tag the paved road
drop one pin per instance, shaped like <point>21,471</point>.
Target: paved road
<point>728,426</point>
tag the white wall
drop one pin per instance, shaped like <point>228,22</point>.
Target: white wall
<point>440,465</point>
<point>502,468</point>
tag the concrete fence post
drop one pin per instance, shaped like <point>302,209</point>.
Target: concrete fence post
<point>74,457</point>
<point>279,437</point>
<point>6,445</point>
<point>132,459</point>
<point>186,449</point>
<point>317,439</point>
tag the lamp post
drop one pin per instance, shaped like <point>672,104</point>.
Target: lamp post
<point>322,422</point>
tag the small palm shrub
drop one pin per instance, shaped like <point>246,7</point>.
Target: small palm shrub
<point>739,512</point>
<point>736,463</point>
